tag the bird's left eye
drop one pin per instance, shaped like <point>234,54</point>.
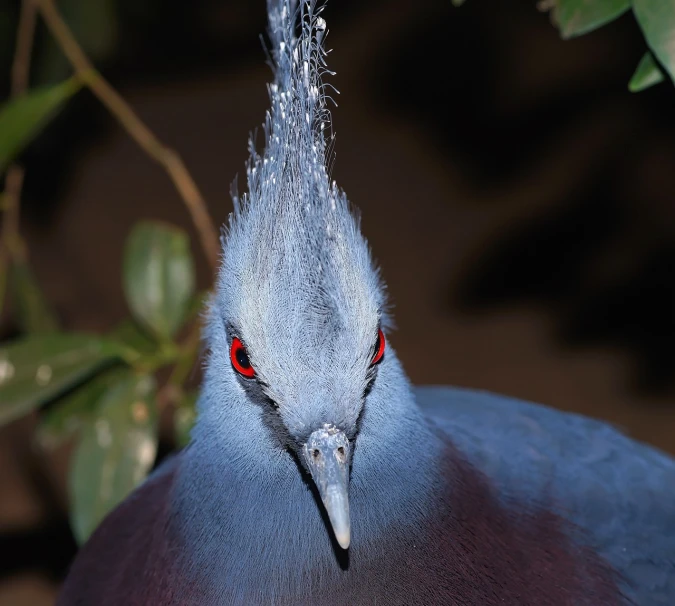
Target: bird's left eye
<point>379,347</point>
<point>239,359</point>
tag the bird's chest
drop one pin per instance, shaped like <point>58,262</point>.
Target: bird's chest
<point>457,546</point>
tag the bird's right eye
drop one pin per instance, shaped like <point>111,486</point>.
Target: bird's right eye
<point>379,348</point>
<point>239,359</point>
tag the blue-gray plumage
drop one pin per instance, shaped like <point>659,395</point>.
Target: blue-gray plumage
<point>318,475</point>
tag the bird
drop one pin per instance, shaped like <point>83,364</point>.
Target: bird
<point>318,474</point>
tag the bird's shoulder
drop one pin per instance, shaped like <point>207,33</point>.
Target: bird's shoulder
<point>129,558</point>
<point>619,491</point>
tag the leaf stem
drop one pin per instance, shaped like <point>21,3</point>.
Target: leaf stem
<point>13,244</point>
<point>172,390</point>
<point>186,361</point>
<point>24,45</point>
<point>137,130</point>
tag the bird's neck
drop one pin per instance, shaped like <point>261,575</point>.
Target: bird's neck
<point>239,497</point>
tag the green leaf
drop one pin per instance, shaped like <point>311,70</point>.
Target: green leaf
<point>577,17</point>
<point>184,418</point>
<point>132,335</point>
<point>23,118</point>
<point>657,20</point>
<point>35,315</point>
<point>65,416</point>
<point>116,450</point>
<point>158,276</point>
<point>647,74</point>
<point>35,369</point>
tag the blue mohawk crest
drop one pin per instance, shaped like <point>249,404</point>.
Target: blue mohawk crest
<point>295,124</point>
<point>297,283</point>
<point>291,175</point>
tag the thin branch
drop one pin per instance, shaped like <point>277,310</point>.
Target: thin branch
<point>190,354</point>
<point>4,266</point>
<point>169,396</point>
<point>24,45</point>
<point>13,244</point>
<point>162,154</point>
<point>11,237</point>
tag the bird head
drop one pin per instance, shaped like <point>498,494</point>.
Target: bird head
<point>299,305</point>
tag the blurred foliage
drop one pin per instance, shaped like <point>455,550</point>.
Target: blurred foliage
<point>99,391</point>
<point>102,391</point>
<point>37,368</point>
<point>23,118</point>
<point>656,19</point>
<point>647,74</point>
<point>116,449</point>
<point>158,278</point>
<point>577,17</point>
<point>185,417</point>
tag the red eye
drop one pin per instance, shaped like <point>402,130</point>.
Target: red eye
<point>240,360</point>
<point>379,347</point>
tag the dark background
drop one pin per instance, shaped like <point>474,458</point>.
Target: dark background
<point>518,197</point>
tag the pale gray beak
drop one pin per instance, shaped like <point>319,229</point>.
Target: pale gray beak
<point>327,457</point>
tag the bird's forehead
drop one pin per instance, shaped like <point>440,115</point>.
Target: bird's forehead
<point>295,315</point>
<point>300,275</point>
